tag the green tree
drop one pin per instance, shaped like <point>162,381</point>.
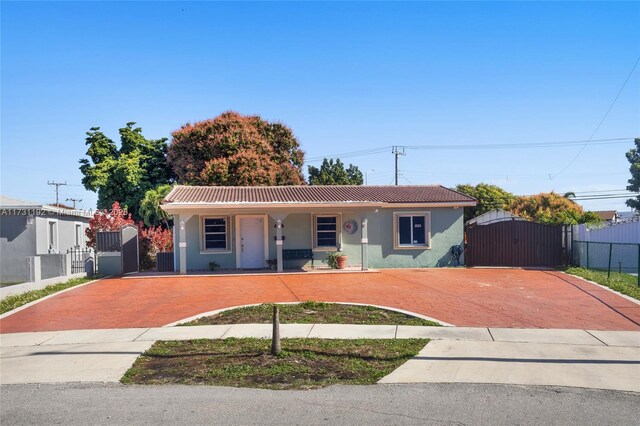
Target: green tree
<point>552,208</point>
<point>236,150</point>
<point>331,173</point>
<point>634,183</point>
<point>124,174</point>
<point>490,197</point>
<point>150,209</point>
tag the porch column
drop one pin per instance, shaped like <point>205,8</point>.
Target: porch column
<point>279,244</point>
<point>182,245</point>
<point>363,245</point>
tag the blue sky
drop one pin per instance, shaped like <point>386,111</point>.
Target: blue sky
<point>344,76</point>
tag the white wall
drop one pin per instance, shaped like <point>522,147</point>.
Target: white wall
<point>66,232</point>
<point>627,232</point>
<point>620,241</point>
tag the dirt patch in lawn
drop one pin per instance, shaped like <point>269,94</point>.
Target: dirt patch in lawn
<point>302,364</point>
<point>312,313</point>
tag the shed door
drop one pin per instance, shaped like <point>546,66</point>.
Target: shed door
<point>252,243</point>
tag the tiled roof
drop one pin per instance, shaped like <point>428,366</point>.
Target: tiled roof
<point>314,194</point>
<point>606,214</point>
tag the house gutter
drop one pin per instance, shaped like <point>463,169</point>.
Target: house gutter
<point>172,207</point>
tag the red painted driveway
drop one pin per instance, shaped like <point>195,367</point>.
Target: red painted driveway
<point>463,297</point>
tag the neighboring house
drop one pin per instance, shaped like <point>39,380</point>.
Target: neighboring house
<point>31,229</point>
<point>608,215</point>
<point>628,216</point>
<point>493,216</point>
<point>377,226</point>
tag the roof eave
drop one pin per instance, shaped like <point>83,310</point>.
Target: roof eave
<point>174,206</point>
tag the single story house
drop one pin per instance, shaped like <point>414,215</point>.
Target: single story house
<point>374,226</point>
<point>608,215</point>
<point>30,229</point>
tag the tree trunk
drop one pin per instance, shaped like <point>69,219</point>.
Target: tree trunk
<point>275,339</point>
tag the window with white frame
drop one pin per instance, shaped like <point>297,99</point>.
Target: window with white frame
<point>52,236</point>
<point>215,231</point>
<point>79,239</point>
<point>326,235</point>
<point>412,230</point>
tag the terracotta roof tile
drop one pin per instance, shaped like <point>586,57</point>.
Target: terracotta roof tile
<point>316,194</point>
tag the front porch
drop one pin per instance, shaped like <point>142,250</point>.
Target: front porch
<point>222,242</point>
<point>251,272</point>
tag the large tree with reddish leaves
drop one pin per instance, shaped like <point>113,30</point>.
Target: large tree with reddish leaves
<point>236,150</point>
<point>107,220</point>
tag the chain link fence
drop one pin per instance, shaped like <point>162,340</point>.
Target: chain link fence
<point>623,258</point>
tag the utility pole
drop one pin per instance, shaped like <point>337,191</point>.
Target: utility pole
<point>57,185</point>
<point>366,176</point>
<point>74,200</point>
<point>397,151</point>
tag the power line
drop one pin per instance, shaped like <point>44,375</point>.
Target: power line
<point>598,191</point>
<point>607,197</point>
<point>501,176</point>
<point>606,114</point>
<point>521,145</point>
<point>405,178</point>
<point>512,145</point>
<point>350,154</point>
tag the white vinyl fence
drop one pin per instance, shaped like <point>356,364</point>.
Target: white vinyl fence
<point>624,232</point>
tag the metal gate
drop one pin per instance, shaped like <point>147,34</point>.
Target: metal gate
<point>79,257</point>
<point>130,254</point>
<point>514,243</point>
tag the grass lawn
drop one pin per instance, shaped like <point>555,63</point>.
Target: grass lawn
<point>11,302</point>
<point>302,364</point>
<point>624,283</point>
<point>312,313</point>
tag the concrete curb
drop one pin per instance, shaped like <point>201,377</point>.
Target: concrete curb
<point>326,331</point>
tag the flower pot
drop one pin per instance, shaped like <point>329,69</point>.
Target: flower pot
<point>342,262</point>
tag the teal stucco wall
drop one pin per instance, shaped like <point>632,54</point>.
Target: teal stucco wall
<point>446,229</point>
<point>109,264</point>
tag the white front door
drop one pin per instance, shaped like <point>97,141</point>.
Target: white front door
<point>252,243</point>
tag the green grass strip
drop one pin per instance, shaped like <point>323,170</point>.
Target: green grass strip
<point>312,313</point>
<point>624,283</point>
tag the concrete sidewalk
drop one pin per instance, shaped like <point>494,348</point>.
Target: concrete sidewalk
<point>584,358</point>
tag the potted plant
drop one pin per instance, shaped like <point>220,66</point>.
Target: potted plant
<point>336,260</point>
